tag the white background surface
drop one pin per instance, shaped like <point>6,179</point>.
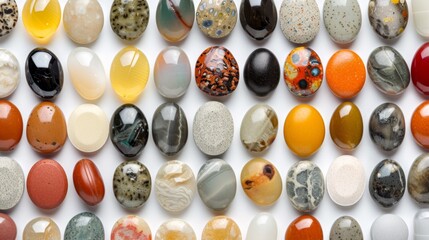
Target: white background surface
<point>242,209</point>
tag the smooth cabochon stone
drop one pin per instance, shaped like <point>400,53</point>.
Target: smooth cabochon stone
<point>129,18</point>
<point>132,184</point>
<point>421,221</point>
<point>216,19</point>
<point>41,228</point>
<point>9,73</point>
<point>305,227</point>
<point>46,128</point>
<point>262,226</point>
<point>261,72</point>
<point>299,20</point>
<point>387,126</point>
<point>41,22</point>
<point>83,20</point>
<point>419,68</point>
<point>418,179</point>
<point>419,123</point>
<point>345,180</point>
<point>346,126</point>
<point>389,226</point>
<point>175,229</point>
<point>131,227</point>
<point>213,128</point>
<point>169,128</point>
<point>344,228</point>
<point>86,73</point>
<point>261,181</point>
<point>44,73</point>
<point>388,70</point>
<point>388,18</point>
<point>342,19</point>
<point>221,227</point>
<point>7,227</point>
<point>174,19</point>
<point>420,12</point>
<point>216,184</point>
<point>175,186</point>
<point>129,130</point>
<point>12,182</point>
<point>88,182</point>
<point>84,226</point>
<point>172,72</point>
<point>11,126</point>
<point>258,19</point>
<point>305,186</point>
<point>9,16</point>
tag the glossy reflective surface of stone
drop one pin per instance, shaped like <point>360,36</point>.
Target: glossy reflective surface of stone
<point>11,126</point>
<point>258,19</point>
<point>387,126</point>
<point>12,182</point>
<point>388,18</point>
<point>419,121</point>
<point>84,226</point>
<point>342,19</point>
<point>41,228</point>
<point>221,227</point>
<point>174,19</point>
<point>262,226</point>
<point>132,184</point>
<point>41,22</point>
<point>169,128</point>
<point>305,227</point>
<point>88,182</point>
<point>7,227</point>
<point>346,227</point>
<point>418,179</point>
<point>175,229</point>
<point>131,227</point>
<point>9,73</point>
<point>9,16</point>
<point>419,68</point>
<point>129,19</point>
<point>216,19</point>
<point>421,221</point>
<point>346,126</point>
<point>389,226</point>
<point>420,10</point>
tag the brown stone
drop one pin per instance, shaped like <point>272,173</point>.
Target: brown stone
<point>10,125</point>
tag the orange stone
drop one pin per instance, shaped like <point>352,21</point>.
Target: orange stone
<point>305,227</point>
<point>10,126</point>
<point>420,125</point>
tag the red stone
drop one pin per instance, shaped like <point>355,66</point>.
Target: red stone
<point>305,227</point>
<point>10,126</point>
<point>7,227</point>
<point>88,182</point>
<point>420,69</point>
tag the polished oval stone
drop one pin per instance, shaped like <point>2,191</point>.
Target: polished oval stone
<point>175,186</point>
<point>420,10</point>
<point>221,227</point>
<point>216,19</point>
<point>305,227</point>
<point>261,72</point>
<point>86,73</point>
<point>131,227</point>
<point>389,226</point>
<point>46,128</point>
<point>169,128</point>
<point>262,226</point>
<point>41,22</point>
<point>387,126</point>
<point>132,184</point>
<point>12,182</point>
<point>299,20</point>
<point>305,186</point>
<point>129,18</point>
<point>175,229</point>
<point>83,20</point>
<point>259,128</point>
<point>44,73</point>
<point>418,70</point>
<point>346,126</point>
<point>213,128</point>
<point>388,70</point>
<point>342,19</point>
<point>7,227</point>
<point>9,17</point>
<point>216,71</point>
<point>258,18</point>
<point>84,226</point>
<point>346,227</point>
<point>261,181</point>
<point>9,73</point>
<point>419,122</point>
<point>421,221</point>
<point>11,126</point>
<point>129,130</point>
<point>388,18</point>
<point>303,72</point>
<point>41,228</point>
<point>88,182</point>
<point>418,179</point>
<point>174,19</point>
<point>216,184</point>
<point>304,130</point>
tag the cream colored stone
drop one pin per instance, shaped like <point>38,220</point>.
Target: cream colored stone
<point>9,73</point>
<point>175,229</point>
<point>41,228</point>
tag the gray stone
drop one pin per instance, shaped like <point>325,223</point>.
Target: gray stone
<point>346,228</point>
<point>418,179</point>
<point>84,226</point>
<point>11,183</point>
<point>388,18</point>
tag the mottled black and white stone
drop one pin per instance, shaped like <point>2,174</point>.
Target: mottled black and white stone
<point>387,126</point>
<point>418,179</point>
<point>388,18</point>
<point>169,128</point>
<point>387,183</point>
<point>8,16</point>
<point>346,228</point>
<point>129,18</point>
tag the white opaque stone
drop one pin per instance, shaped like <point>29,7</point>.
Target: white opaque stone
<point>421,223</point>
<point>389,226</point>
<point>421,13</point>
<point>9,73</point>
<point>87,73</point>
<point>262,226</point>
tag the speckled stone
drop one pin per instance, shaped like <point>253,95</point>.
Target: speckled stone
<point>305,186</point>
<point>175,229</point>
<point>9,73</point>
<point>9,16</point>
<point>11,183</point>
<point>84,226</point>
<point>389,226</point>
<point>131,227</point>
<point>216,19</point>
<point>129,18</point>
<point>132,184</point>
<point>299,20</point>
<point>418,179</point>
<point>41,228</point>
<point>346,228</point>
<point>388,18</point>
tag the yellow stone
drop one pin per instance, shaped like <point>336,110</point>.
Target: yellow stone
<point>41,18</point>
<point>129,73</point>
<point>221,227</point>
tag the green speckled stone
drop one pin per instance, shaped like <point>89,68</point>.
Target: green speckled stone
<point>84,226</point>
<point>216,18</point>
<point>129,18</point>
<point>174,19</point>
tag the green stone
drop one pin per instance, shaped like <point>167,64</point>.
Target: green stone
<point>174,19</point>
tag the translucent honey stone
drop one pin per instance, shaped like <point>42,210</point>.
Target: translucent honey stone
<point>41,18</point>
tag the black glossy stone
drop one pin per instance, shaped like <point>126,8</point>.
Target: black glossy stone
<point>169,128</point>
<point>129,130</point>
<point>258,18</point>
<point>262,72</point>
<point>44,73</point>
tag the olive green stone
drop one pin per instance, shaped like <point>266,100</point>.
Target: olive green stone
<point>346,126</point>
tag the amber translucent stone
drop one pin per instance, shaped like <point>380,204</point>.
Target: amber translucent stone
<point>305,227</point>
<point>346,126</point>
<point>41,18</point>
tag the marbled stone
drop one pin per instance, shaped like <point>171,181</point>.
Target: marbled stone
<point>299,20</point>
<point>175,186</point>
<point>132,184</point>
<point>389,226</point>
<point>418,179</point>
<point>44,73</point>
<point>175,229</point>
<point>221,227</point>
<point>388,70</point>
<point>421,221</point>
<point>41,22</point>
<point>41,228</point>
<point>261,72</point>
<point>258,18</point>
<point>9,16</point>
<point>174,19</point>
<point>131,227</point>
<point>12,182</point>
<point>259,128</point>
<point>262,226</point>
<point>388,18</point>
<point>216,184</point>
<point>7,227</point>
<point>346,228</point>
<point>11,126</point>
<point>419,68</point>
<point>346,126</point>
<point>84,226</point>
<point>129,18</point>
<point>420,11</point>
<point>305,227</point>
<point>129,130</point>
<point>216,19</point>
<point>9,73</point>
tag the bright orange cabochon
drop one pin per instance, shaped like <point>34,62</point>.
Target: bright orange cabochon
<point>420,124</point>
